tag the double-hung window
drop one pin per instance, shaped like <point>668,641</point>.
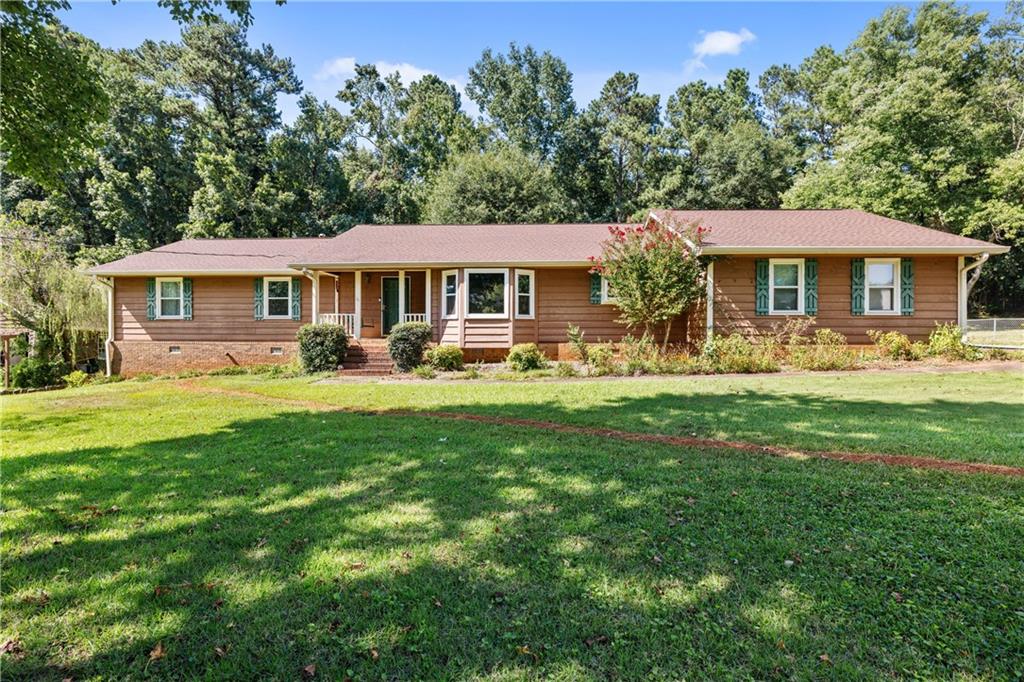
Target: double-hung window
<point>170,294</point>
<point>607,295</point>
<point>486,292</point>
<point>786,286</point>
<point>524,294</point>
<point>882,286</point>
<point>277,291</point>
<point>449,293</point>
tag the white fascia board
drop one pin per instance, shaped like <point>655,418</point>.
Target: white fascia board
<point>852,250</point>
<point>195,273</point>
<point>422,265</point>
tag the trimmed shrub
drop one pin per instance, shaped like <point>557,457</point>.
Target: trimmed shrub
<point>737,354</point>
<point>424,371</point>
<point>446,358</point>
<point>828,351</point>
<point>946,341</point>
<point>322,347</point>
<point>523,357</point>
<point>602,360</point>
<point>894,345</point>
<point>406,344</point>
<point>76,378</point>
<point>37,373</point>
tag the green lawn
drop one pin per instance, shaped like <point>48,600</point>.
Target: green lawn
<point>250,538</point>
<point>976,416</point>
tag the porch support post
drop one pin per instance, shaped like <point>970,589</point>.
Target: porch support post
<point>316,297</point>
<point>401,296</point>
<point>709,325</point>
<point>359,304</point>
<point>337,294</point>
<point>961,294</point>
<point>426,295</point>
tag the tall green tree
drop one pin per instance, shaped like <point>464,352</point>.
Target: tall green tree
<point>503,185</point>
<point>235,88</point>
<point>526,96</point>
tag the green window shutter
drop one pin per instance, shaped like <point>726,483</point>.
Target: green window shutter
<point>296,298</point>
<point>257,298</point>
<point>857,286</point>
<point>595,287</point>
<point>151,298</point>
<point>907,286</point>
<point>811,286</point>
<point>186,297</point>
<point>761,286</point>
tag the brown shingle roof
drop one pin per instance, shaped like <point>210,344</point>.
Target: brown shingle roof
<point>809,230</point>
<point>779,231</point>
<point>225,256</point>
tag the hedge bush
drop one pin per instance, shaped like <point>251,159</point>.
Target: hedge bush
<point>895,345</point>
<point>322,347</point>
<point>828,351</point>
<point>37,373</point>
<point>737,354</point>
<point>406,344</point>
<point>947,341</point>
<point>446,358</point>
<point>75,379</point>
<point>523,357</point>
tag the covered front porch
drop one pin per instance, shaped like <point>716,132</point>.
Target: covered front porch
<point>369,303</point>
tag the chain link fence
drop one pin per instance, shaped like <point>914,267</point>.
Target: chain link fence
<point>996,332</point>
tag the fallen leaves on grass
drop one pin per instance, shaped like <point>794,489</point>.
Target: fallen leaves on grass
<point>525,651</point>
<point>599,639</point>
<point>158,652</point>
<point>309,672</point>
<point>13,648</point>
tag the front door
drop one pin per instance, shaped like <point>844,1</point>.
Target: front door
<point>389,301</point>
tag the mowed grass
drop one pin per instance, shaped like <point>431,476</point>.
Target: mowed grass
<point>968,416</point>
<point>154,532</point>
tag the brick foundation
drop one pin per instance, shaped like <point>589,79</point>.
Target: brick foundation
<point>155,357</point>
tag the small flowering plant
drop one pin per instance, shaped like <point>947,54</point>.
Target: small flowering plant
<point>654,271</point>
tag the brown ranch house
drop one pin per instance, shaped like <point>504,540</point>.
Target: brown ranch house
<point>207,303</point>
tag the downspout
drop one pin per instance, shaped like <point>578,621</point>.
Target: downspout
<point>965,287</point>
<point>108,345</point>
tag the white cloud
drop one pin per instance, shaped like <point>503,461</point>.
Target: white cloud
<point>341,68</point>
<point>722,42</point>
<point>716,43</point>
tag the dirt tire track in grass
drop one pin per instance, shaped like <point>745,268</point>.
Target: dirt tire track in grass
<point>912,461</point>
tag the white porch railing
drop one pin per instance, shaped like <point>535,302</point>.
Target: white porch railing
<point>415,317</point>
<point>346,320</point>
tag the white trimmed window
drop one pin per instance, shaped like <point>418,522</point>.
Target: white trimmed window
<point>786,286</point>
<point>277,292</point>
<point>882,286</point>
<point>524,294</point>
<point>487,292</point>
<point>449,293</point>
<point>170,294</point>
<point>607,295</point>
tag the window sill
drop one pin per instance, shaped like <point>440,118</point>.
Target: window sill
<point>486,316</point>
<point>169,317</point>
<point>279,317</point>
<point>786,313</point>
<point>881,313</point>
<point>525,317</point>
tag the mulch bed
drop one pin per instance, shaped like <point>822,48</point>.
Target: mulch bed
<point>912,461</point>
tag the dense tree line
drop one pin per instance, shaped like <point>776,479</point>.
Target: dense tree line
<point>920,118</point>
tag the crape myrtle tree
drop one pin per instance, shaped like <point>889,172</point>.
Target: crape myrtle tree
<point>655,273</point>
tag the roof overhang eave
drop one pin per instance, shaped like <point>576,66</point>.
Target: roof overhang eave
<point>189,272</point>
<point>712,250</point>
<point>414,265</point>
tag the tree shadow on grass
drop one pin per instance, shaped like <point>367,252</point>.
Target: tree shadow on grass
<point>407,548</point>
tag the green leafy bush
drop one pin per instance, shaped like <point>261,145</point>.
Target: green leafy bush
<point>37,373</point>
<point>322,347</point>
<point>737,354</point>
<point>565,370</point>
<point>75,379</point>
<point>407,342</point>
<point>641,355</point>
<point>446,358</point>
<point>946,341</point>
<point>112,379</point>
<point>894,345</point>
<point>424,371</point>
<point>523,357</point>
<point>579,346</point>
<point>828,351</point>
<point>602,360</point>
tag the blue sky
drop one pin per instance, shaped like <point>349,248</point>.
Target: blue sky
<point>667,44</point>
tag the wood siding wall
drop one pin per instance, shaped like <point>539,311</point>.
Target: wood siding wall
<point>935,299</point>
<point>221,311</point>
